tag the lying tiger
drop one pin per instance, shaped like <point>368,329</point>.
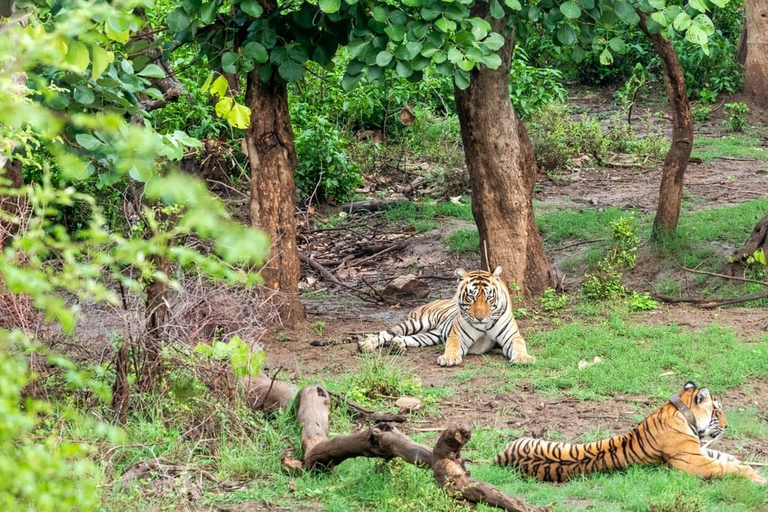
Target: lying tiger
<point>672,434</point>
<point>475,320</point>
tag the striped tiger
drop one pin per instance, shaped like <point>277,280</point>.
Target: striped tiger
<point>476,319</point>
<point>672,434</point>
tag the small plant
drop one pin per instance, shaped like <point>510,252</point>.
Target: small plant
<point>641,302</point>
<point>757,257</point>
<point>624,246</point>
<point>242,360</point>
<point>707,96</point>
<point>552,301</point>
<point>318,327</point>
<point>701,113</point>
<point>739,116</point>
<point>605,283</point>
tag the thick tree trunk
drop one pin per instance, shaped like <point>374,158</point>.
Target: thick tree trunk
<point>676,161</point>
<point>502,171</point>
<point>756,64</point>
<point>272,157</point>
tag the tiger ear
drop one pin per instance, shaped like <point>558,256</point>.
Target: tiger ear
<point>703,395</point>
<point>497,271</point>
<point>459,272</point>
<point>690,385</point>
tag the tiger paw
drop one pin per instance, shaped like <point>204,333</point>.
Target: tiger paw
<point>754,475</point>
<point>368,343</point>
<point>524,358</point>
<point>447,360</point>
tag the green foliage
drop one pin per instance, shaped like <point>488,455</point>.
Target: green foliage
<point>641,302</point>
<point>318,327</point>
<point>739,117</point>
<point>701,113</point>
<point>237,353</point>
<point>552,301</point>
<point>605,283</point>
<point>532,88</point>
<point>464,241</point>
<point>324,170</point>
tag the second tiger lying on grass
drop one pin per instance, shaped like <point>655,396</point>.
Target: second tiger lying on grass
<point>475,320</point>
<point>672,434</point>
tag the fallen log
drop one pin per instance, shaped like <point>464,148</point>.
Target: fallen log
<point>267,394</point>
<point>757,240</point>
<point>710,303</point>
<point>385,441</point>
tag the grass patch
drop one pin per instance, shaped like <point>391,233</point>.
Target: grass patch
<point>423,216</point>
<point>661,358</point>
<point>741,146</point>
<point>464,241</point>
<point>590,224</point>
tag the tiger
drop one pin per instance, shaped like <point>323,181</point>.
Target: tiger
<point>476,319</point>
<point>672,434</point>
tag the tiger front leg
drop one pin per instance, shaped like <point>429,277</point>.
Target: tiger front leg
<point>516,350</point>
<point>706,467</point>
<point>452,354</point>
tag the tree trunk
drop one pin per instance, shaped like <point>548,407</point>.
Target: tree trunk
<point>676,161</point>
<point>272,157</point>
<point>756,64</point>
<point>502,171</point>
<point>10,204</point>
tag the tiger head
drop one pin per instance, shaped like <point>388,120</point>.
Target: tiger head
<point>706,409</point>
<point>481,295</point>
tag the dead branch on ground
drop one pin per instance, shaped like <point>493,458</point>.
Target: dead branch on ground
<point>711,303</point>
<point>756,241</point>
<point>384,441</point>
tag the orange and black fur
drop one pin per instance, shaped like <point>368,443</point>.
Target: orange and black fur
<point>672,434</point>
<point>476,319</point>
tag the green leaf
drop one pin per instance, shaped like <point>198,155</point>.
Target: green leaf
<point>101,59</point>
<point>705,24</point>
<point>404,68</point>
<point>84,95</point>
<point>445,25</point>
<point>348,81</point>
<point>383,58</point>
<point>255,51</point>
<point>239,116</point>
<point>659,18</point>
<point>77,56</point>
<point>759,256</point>
<point>682,21</point>
<point>121,36</point>
<point>228,62</point>
<point>577,54</point>
<point>71,166</point>
<point>461,78</point>
<point>606,58</point>
<point>626,13</point>
<point>658,4</point>
<point>492,61</point>
<point>497,11</point>
<point>178,20</point>
<point>208,12</point>
<point>219,87</point>
<point>330,6</point>
<point>695,35</point>
<point>252,7</point>
<point>493,42</point>
<point>617,45</point>
<point>699,5</point>
<point>290,71</point>
<point>152,71</point>
<point>191,6</point>
<point>720,3</point>
<point>224,106</point>
<point>88,141</point>
<point>588,4</point>
<point>566,35</point>
<point>514,5</point>
<point>570,9</point>
<point>203,349</point>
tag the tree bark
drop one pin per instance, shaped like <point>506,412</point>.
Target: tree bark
<point>502,171</point>
<point>756,63</point>
<point>272,157</point>
<point>676,161</point>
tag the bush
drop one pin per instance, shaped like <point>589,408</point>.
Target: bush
<point>324,171</point>
<point>739,118</point>
<point>532,88</point>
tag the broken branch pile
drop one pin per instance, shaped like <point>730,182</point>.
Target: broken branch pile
<point>385,441</point>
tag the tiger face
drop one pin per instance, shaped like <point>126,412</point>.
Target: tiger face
<point>479,295</point>
<point>708,411</point>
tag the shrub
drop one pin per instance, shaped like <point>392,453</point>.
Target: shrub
<point>739,118</point>
<point>324,170</point>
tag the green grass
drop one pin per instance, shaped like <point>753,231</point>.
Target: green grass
<point>588,224</point>
<point>660,357</point>
<point>464,241</point>
<point>740,146</point>
<point>423,215</point>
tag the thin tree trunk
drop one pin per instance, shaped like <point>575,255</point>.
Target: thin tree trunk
<point>676,161</point>
<point>11,204</point>
<point>502,170</point>
<point>756,64</point>
<point>272,157</point>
